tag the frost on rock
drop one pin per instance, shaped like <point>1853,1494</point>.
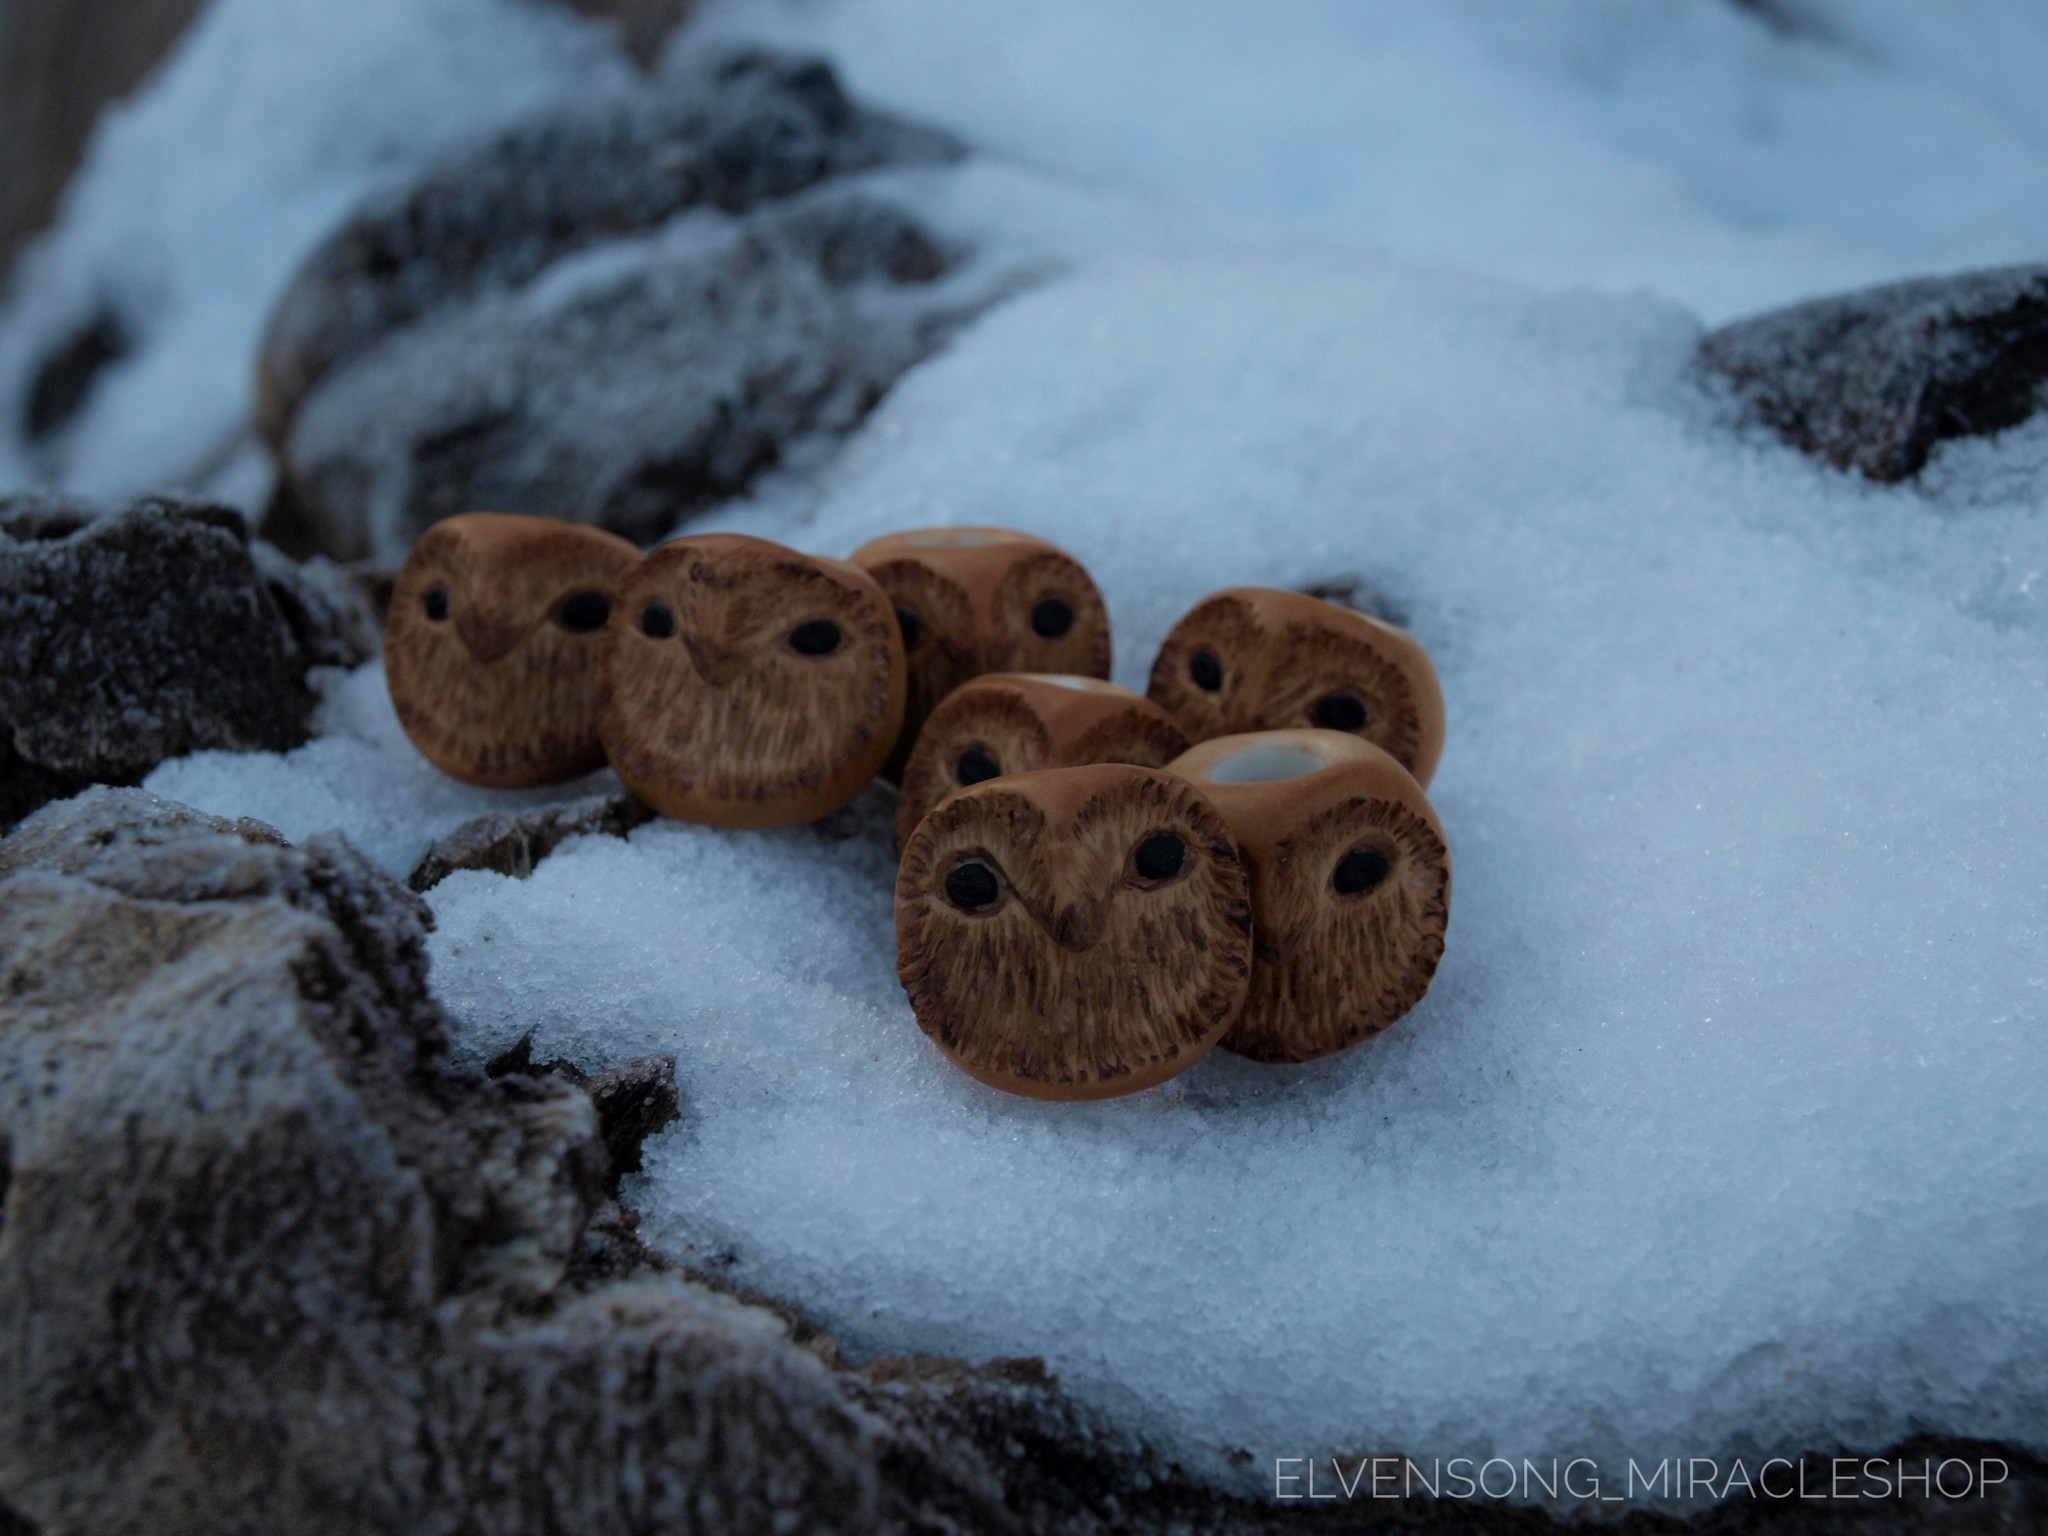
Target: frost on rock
<point>1873,381</point>
<point>658,381</point>
<point>756,129</point>
<point>618,315</point>
<point>160,629</point>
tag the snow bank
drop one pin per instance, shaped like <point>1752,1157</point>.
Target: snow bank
<point>1718,1129</point>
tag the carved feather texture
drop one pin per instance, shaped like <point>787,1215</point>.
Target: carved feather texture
<point>497,691</point>
<point>716,714</point>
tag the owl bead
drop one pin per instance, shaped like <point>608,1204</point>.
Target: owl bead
<point>1350,882</point>
<point>1015,722</point>
<point>1261,659</point>
<point>495,644</point>
<point>1074,933</point>
<point>975,600</point>
<point>750,685</point>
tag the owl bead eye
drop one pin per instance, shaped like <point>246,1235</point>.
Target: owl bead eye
<point>1359,871</point>
<point>435,604</point>
<point>1339,712</point>
<point>975,765</point>
<point>1205,671</point>
<point>657,621</point>
<point>815,637</point>
<point>1052,618</point>
<point>1159,857</point>
<point>972,886</point>
<point>585,613</point>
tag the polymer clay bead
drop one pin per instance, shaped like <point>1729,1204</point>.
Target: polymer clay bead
<point>1015,722</point>
<point>975,600</point>
<point>495,643</point>
<point>1350,885</point>
<point>1263,659</point>
<point>1074,933</point>
<point>751,685</point>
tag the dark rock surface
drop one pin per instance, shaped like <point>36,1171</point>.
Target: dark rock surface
<point>617,315</point>
<point>507,844</point>
<point>161,629</point>
<point>1872,381</point>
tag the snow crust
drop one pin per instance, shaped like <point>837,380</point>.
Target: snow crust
<point>1719,1130</point>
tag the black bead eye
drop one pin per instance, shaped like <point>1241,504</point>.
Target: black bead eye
<point>974,765</point>
<point>1359,871</point>
<point>1053,617</point>
<point>435,603</point>
<point>657,622</point>
<point>1339,712</point>
<point>815,637</point>
<point>1159,857</point>
<point>972,886</point>
<point>912,630</point>
<point>583,612</point>
<point>1206,671</point>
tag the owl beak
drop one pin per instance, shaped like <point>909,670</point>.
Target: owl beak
<point>1078,925</point>
<point>716,664</point>
<point>486,639</point>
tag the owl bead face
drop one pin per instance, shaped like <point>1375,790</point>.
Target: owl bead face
<point>750,685</point>
<point>1351,885</point>
<point>1260,659</point>
<point>1075,933</point>
<point>975,600</point>
<point>494,649</point>
<point>1013,722</point>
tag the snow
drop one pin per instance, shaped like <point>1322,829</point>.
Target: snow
<point>1718,1132</point>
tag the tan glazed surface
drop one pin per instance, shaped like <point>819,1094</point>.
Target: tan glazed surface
<point>969,593</point>
<point>1281,657</point>
<point>1020,722</point>
<point>1081,978</point>
<point>723,719</point>
<point>498,692</point>
<point>1332,967</point>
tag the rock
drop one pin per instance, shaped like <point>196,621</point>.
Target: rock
<point>618,316</point>
<point>1871,381</point>
<point>143,634</point>
<point>506,844</point>
<point>754,129</point>
<point>267,1265</point>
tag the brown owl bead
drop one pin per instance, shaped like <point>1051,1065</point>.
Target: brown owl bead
<point>1351,885</point>
<point>1074,933</point>
<point>1014,722</point>
<point>1260,659</point>
<point>494,648</point>
<point>975,600</point>
<point>750,685</point>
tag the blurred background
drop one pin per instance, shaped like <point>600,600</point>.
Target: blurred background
<point>169,165</point>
